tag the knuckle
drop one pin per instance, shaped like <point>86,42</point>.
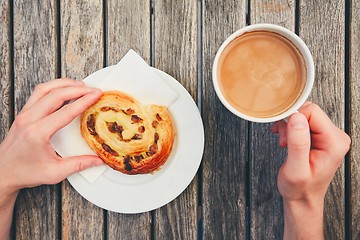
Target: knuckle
<point>310,107</point>
<point>20,120</point>
<point>40,88</point>
<point>79,167</point>
<point>68,81</point>
<point>54,93</point>
<point>347,141</point>
<point>344,148</point>
<point>314,107</point>
<point>300,146</point>
<point>68,111</point>
<point>341,145</point>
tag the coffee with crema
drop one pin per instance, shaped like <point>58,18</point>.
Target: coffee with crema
<point>261,74</point>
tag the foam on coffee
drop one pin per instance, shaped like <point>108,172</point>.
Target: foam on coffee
<point>261,74</point>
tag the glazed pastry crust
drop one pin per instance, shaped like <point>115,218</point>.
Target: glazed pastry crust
<point>130,137</point>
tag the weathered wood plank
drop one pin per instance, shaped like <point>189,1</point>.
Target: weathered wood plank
<point>34,62</point>
<point>81,54</point>
<point>266,211</point>
<point>175,45</point>
<point>225,155</point>
<point>128,26</point>
<point>322,28</point>
<point>354,121</point>
<point>5,80</point>
<point>176,41</point>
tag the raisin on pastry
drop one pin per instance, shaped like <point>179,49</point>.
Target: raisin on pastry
<point>130,137</point>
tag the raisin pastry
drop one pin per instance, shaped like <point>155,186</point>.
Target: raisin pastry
<point>130,137</point>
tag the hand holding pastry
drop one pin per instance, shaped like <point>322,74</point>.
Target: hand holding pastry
<point>27,147</point>
<point>26,156</point>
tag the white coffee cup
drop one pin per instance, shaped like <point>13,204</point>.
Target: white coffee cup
<point>297,42</point>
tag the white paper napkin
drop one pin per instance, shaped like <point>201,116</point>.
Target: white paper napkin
<point>131,75</point>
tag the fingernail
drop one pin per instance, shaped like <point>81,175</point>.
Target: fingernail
<point>298,121</point>
<point>298,125</point>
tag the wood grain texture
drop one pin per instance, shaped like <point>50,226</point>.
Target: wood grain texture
<point>266,210</point>
<point>225,156</point>
<point>175,41</point>
<point>34,62</point>
<point>272,11</point>
<point>81,38</point>
<point>5,80</point>
<point>322,28</point>
<point>81,54</point>
<point>354,121</point>
<point>232,146</point>
<point>175,47</point>
<point>128,26</point>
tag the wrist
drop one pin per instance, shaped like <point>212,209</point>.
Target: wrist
<point>7,183</point>
<point>7,203</point>
<point>8,194</point>
<point>312,205</point>
<point>303,219</point>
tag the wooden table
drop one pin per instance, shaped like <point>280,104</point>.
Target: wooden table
<point>234,194</point>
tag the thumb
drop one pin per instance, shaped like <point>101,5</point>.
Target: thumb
<point>77,164</point>
<point>298,143</point>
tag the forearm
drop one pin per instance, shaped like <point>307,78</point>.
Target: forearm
<point>303,221</point>
<point>8,194</point>
<point>7,202</point>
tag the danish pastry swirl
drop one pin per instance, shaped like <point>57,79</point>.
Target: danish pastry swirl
<point>129,137</point>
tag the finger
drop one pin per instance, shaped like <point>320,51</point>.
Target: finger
<point>66,114</point>
<point>318,120</point>
<point>275,127</point>
<point>325,135</point>
<point>55,99</point>
<point>298,144</point>
<point>283,136</point>
<point>306,103</point>
<point>71,165</point>
<point>44,88</point>
<point>281,128</point>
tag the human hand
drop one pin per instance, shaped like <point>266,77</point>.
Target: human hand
<point>316,148</point>
<point>27,158</point>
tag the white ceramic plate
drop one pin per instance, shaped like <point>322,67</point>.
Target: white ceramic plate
<point>122,193</point>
